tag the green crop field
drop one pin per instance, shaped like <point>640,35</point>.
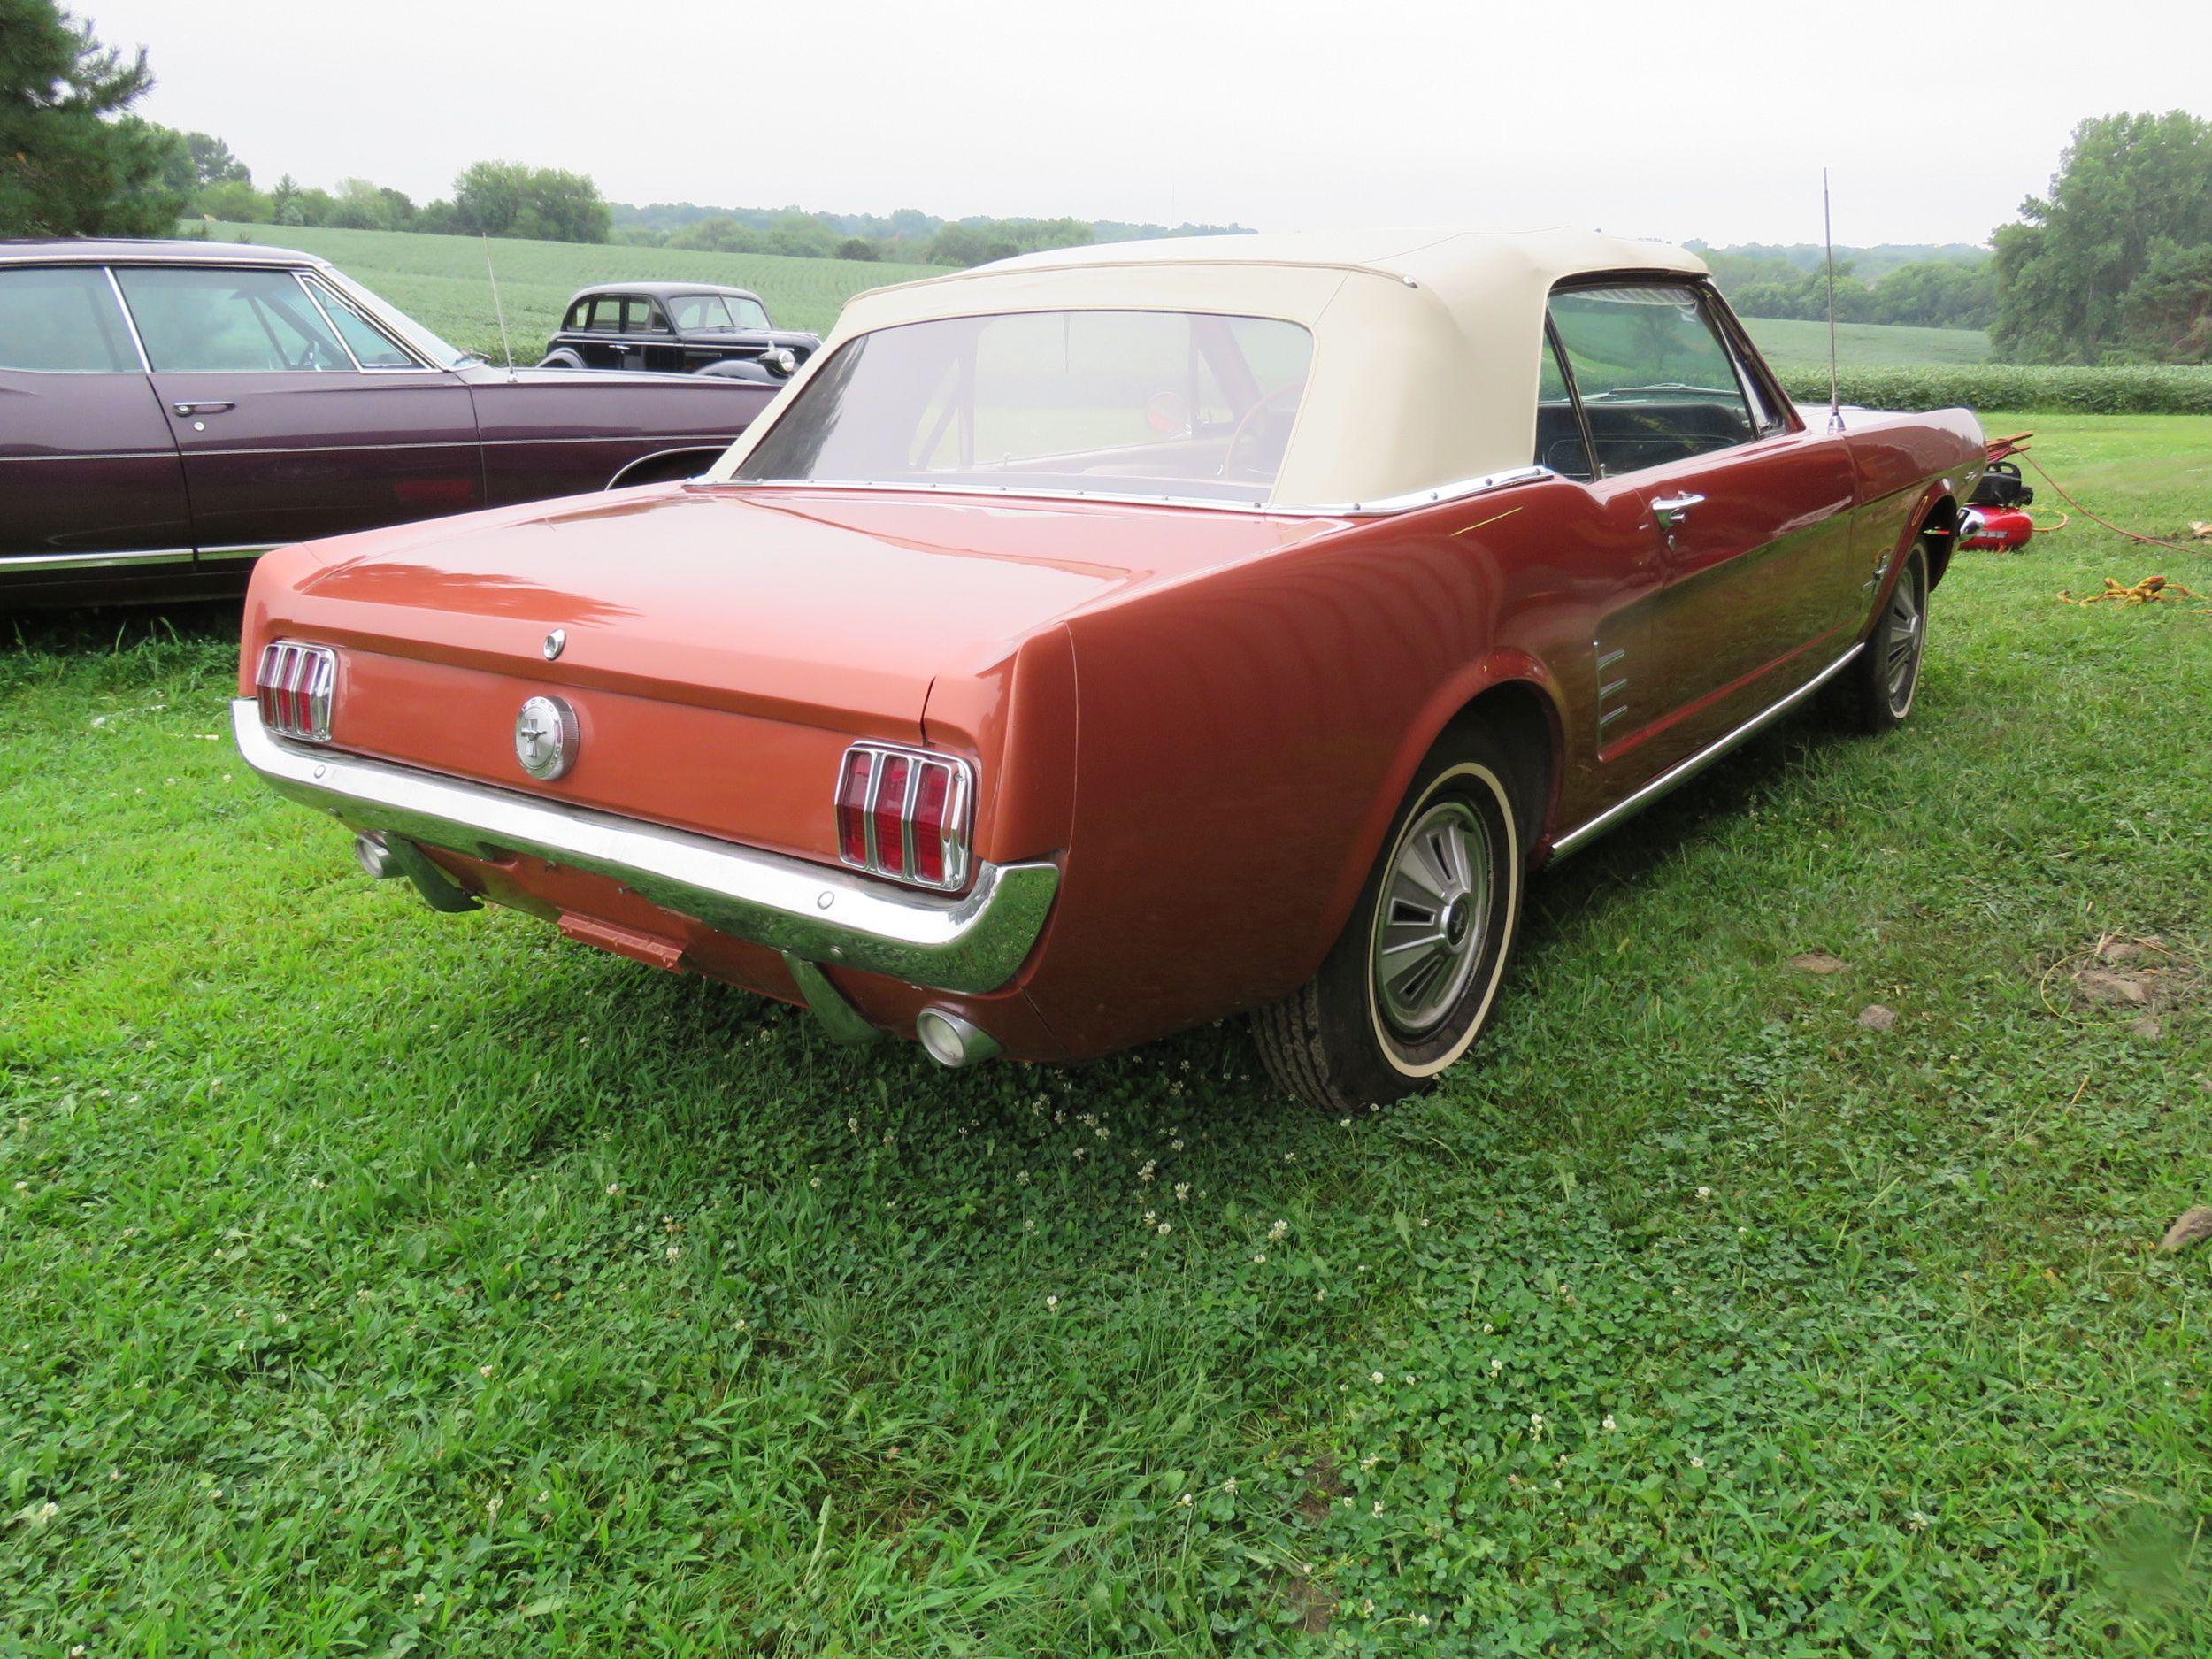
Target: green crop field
<point>1790,344</point>
<point>441,281</point>
<point>380,1282</point>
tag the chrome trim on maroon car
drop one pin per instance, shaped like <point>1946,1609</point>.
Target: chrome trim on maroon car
<point>1684,771</point>
<point>973,941</point>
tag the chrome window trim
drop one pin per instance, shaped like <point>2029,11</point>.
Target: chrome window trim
<point>1412,500</point>
<point>130,322</point>
<point>973,941</point>
<point>1682,771</point>
<point>315,301</point>
<point>310,281</point>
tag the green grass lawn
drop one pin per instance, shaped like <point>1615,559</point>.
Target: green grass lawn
<point>440,280</point>
<point>383,1282</point>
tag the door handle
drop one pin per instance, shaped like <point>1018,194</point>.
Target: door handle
<point>189,409</point>
<point>1672,509</point>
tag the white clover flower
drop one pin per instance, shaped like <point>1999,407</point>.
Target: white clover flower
<point>1609,1426</point>
<point>1182,1192</point>
<point>1259,1255</point>
<point>1277,1229</point>
<point>1376,1377</point>
<point>1918,1522</point>
<point>1183,1502</point>
<point>483,1370</point>
<point>1496,1365</point>
<point>614,1189</point>
<point>675,1251</point>
<point>48,1510</point>
<point>1704,1192</point>
<point>1052,1304</point>
<point>1697,1462</point>
<point>1021,1178</point>
<point>1377,1506</point>
<point>1230,1484</point>
<point>1165,1228</point>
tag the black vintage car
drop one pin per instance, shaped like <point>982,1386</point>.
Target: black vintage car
<point>676,327</point>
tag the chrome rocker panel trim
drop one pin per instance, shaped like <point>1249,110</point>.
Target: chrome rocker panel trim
<point>1683,770</point>
<point>971,942</point>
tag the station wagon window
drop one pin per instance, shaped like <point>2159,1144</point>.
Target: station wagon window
<point>373,348</point>
<point>1160,404</point>
<point>62,320</point>
<point>1656,383</point>
<point>200,320</point>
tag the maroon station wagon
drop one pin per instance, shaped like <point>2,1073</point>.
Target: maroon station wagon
<point>171,409</point>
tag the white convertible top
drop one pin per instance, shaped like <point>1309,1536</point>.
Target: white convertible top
<point>1426,343</point>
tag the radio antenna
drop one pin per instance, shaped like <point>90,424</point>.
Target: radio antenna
<point>508,351</point>
<point>1828,236</point>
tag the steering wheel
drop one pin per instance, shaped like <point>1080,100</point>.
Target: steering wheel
<point>1289,396</point>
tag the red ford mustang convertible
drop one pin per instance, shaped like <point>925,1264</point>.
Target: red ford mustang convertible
<point>1095,644</point>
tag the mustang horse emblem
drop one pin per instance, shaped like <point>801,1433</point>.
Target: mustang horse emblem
<point>545,737</point>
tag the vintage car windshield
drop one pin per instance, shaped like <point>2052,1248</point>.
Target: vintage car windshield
<point>711,312</point>
<point>1177,404</point>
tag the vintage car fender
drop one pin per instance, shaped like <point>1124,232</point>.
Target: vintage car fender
<point>1493,671</point>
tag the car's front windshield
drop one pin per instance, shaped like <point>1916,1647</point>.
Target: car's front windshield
<point>446,356</point>
<point>1178,405</point>
<point>716,313</point>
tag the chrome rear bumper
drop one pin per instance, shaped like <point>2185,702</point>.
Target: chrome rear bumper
<point>973,942</point>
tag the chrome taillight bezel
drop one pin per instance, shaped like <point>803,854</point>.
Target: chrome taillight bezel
<point>953,841</point>
<point>295,686</point>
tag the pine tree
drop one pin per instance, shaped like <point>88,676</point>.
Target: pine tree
<point>73,161</point>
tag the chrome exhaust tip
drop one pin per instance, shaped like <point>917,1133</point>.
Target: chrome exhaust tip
<point>951,1041</point>
<point>374,857</point>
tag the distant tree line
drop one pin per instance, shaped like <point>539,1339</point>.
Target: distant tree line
<point>1934,293</point>
<point>490,198</point>
<point>908,234</point>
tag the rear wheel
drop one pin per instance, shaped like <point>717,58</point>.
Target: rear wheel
<point>1409,986</point>
<point>1876,692</point>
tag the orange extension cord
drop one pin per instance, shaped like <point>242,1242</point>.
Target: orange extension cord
<point>2132,536</point>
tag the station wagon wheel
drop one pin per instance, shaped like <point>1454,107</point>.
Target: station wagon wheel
<point>1876,692</point>
<point>1409,983</point>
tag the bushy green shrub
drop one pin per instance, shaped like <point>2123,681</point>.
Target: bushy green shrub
<point>2102,391</point>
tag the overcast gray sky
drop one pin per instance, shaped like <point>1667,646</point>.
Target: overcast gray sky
<point>1674,121</point>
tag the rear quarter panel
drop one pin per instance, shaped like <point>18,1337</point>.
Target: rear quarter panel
<point>1244,739</point>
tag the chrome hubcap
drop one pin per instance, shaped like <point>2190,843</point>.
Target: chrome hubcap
<point>1433,914</point>
<point>1905,639</point>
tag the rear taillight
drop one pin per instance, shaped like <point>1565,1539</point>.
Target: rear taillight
<point>296,685</point>
<point>905,813</point>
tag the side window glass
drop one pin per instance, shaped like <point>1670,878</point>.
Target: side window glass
<point>606,313</point>
<point>62,320</point>
<point>373,348</point>
<point>640,319</point>
<point>1656,383</point>
<point>207,321</point>
<point>1559,445</point>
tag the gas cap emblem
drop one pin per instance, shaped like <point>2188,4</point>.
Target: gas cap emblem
<point>546,737</point>
<point>555,643</point>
